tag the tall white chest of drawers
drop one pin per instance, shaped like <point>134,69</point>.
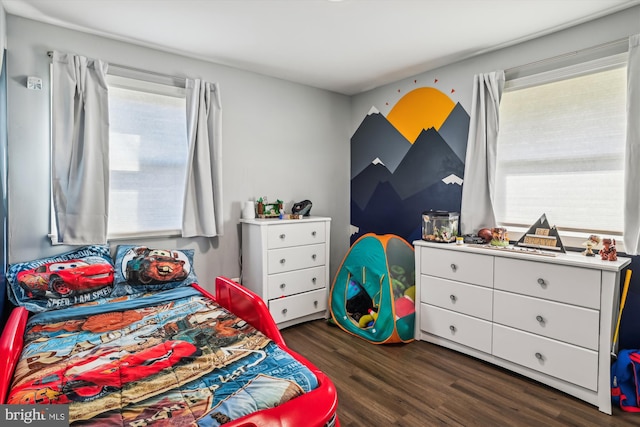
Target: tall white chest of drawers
<point>286,262</point>
<point>550,318</point>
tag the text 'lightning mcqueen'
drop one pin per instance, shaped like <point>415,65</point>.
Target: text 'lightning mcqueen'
<point>67,278</point>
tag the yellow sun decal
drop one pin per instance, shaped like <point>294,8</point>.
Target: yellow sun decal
<point>422,108</point>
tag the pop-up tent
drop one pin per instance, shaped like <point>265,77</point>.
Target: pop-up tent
<point>373,291</point>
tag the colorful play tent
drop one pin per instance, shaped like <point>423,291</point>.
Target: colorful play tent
<point>373,291</point>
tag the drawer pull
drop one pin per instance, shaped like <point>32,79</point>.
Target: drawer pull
<point>282,236</point>
<point>539,356</point>
<point>282,261</point>
<point>313,233</point>
<point>284,311</point>
<point>313,280</point>
<point>452,328</point>
<point>453,298</point>
<point>282,286</point>
<point>314,256</point>
<point>315,304</point>
<point>454,267</point>
<point>540,319</point>
<point>541,282</point>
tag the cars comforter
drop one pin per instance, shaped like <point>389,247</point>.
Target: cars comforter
<point>174,355</point>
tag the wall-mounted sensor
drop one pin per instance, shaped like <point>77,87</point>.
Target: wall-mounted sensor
<point>34,83</point>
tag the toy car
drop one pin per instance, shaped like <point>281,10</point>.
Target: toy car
<point>155,266</point>
<point>67,278</point>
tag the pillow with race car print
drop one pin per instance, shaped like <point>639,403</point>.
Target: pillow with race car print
<point>79,276</point>
<point>141,269</point>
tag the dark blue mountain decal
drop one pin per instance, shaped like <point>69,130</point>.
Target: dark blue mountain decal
<point>364,185</point>
<point>455,131</point>
<point>428,161</point>
<point>424,175</point>
<point>376,138</point>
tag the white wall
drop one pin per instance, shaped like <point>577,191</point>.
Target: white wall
<point>456,80</point>
<point>459,76</point>
<point>280,139</point>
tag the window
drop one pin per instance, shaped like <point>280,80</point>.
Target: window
<point>148,157</point>
<point>561,148</point>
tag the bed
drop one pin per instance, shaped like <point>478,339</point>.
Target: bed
<point>142,352</point>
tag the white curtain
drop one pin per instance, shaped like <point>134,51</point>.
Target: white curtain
<point>80,149</point>
<point>632,152</point>
<point>480,164</point>
<point>202,212</point>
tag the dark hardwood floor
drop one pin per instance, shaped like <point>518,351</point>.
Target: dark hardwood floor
<point>421,384</point>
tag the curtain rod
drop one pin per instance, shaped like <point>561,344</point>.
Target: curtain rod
<point>177,79</point>
<point>611,44</point>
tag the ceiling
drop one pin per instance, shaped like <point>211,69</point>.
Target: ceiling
<point>347,46</point>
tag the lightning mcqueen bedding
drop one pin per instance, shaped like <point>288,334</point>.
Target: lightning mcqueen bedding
<point>177,356</point>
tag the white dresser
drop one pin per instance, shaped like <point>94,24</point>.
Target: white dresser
<point>286,262</point>
<point>550,318</point>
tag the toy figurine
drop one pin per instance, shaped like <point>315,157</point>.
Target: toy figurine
<point>591,243</point>
<point>608,252</point>
<point>499,237</point>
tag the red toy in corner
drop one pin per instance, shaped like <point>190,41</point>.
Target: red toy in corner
<point>608,252</point>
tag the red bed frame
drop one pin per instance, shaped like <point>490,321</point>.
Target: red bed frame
<point>315,408</point>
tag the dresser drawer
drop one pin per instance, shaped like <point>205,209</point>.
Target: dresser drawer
<point>473,300</point>
<point>578,286</point>
<point>295,282</point>
<point>460,266</point>
<point>568,323</point>
<point>564,361</point>
<point>303,233</point>
<point>293,307</point>
<point>288,259</point>
<point>465,330</point>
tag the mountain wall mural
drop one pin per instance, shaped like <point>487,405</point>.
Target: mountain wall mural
<point>406,163</point>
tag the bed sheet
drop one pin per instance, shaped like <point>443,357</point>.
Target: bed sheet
<point>175,357</point>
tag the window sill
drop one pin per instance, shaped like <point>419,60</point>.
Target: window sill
<point>572,241</point>
<point>156,234</point>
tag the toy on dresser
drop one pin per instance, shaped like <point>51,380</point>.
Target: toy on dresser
<point>591,243</point>
<point>609,252</point>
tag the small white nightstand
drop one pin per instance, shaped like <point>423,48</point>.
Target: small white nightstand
<point>286,262</point>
